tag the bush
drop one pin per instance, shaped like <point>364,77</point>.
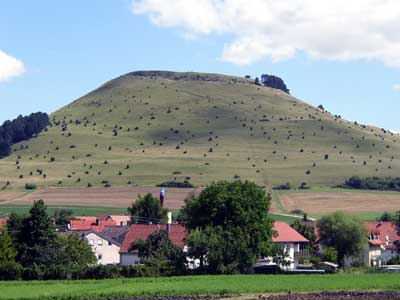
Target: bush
<point>315,260</point>
<point>30,186</point>
<point>394,261</point>
<point>298,212</point>
<point>304,186</point>
<point>11,271</point>
<point>286,186</point>
<point>14,271</point>
<point>176,184</point>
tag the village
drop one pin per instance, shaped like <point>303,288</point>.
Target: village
<point>111,238</point>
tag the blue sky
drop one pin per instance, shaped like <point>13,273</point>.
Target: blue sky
<point>68,48</point>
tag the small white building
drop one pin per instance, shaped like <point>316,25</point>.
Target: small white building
<point>293,243</point>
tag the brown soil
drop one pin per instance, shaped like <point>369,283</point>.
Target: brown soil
<point>198,297</point>
<point>342,295</point>
<point>113,196</point>
<point>326,202</point>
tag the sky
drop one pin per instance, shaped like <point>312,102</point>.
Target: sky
<point>342,54</point>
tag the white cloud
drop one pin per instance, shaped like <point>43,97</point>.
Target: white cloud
<point>396,87</point>
<point>337,30</point>
<point>10,66</point>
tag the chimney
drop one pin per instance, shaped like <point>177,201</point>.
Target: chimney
<point>162,195</point>
<point>169,216</point>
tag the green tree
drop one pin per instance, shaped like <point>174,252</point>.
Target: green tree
<point>198,243</point>
<point>305,230</point>
<point>62,217</point>
<point>344,233</point>
<point>147,209</point>
<point>237,212</point>
<point>37,241</point>
<point>76,251</point>
<point>14,225</point>
<point>330,254</point>
<point>158,252</point>
<point>7,250</point>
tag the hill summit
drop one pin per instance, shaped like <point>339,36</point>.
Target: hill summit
<point>147,127</point>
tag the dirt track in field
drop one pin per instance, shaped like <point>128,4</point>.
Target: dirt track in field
<point>112,196</point>
<point>326,202</point>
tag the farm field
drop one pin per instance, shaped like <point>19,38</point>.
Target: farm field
<point>118,197</point>
<point>317,202</point>
<point>366,205</point>
<point>198,285</point>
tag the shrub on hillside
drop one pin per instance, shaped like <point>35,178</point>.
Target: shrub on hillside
<point>286,186</point>
<point>30,186</point>
<point>176,184</point>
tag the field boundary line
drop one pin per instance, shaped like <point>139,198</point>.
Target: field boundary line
<point>278,202</point>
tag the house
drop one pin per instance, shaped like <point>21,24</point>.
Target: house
<point>293,243</point>
<point>120,220</point>
<point>107,243</point>
<point>177,234</point>
<point>98,223</point>
<point>382,240</point>
<point>3,223</point>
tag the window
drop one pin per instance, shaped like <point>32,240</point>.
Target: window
<point>100,256</point>
<point>109,243</point>
<point>99,242</point>
<point>91,242</point>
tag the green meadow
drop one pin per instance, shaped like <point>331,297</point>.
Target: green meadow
<point>197,285</point>
<point>152,127</point>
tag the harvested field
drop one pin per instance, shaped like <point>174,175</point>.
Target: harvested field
<point>4,196</point>
<point>351,202</point>
<point>112,196</point>
<point>342,295</point>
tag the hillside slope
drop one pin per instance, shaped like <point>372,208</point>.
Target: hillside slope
<point>151,126</point>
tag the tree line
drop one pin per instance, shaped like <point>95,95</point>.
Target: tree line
<point>373,183</point>
<point>21,129</point>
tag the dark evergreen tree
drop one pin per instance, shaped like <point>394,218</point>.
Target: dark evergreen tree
<point>37,241</point>
<point>20,129</point>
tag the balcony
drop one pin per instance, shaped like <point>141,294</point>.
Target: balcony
<point>303,253</point>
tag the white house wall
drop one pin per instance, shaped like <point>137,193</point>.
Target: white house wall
<point>106,254</point>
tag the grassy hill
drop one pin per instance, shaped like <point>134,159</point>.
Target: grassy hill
<point>147,127</point>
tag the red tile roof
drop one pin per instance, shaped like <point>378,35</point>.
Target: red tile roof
<point>120,219</point>
<point>385,232</point>
<point>88,224</point>
<point>142,231</point>
<point>86,218</point>
<point>287,234</point>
